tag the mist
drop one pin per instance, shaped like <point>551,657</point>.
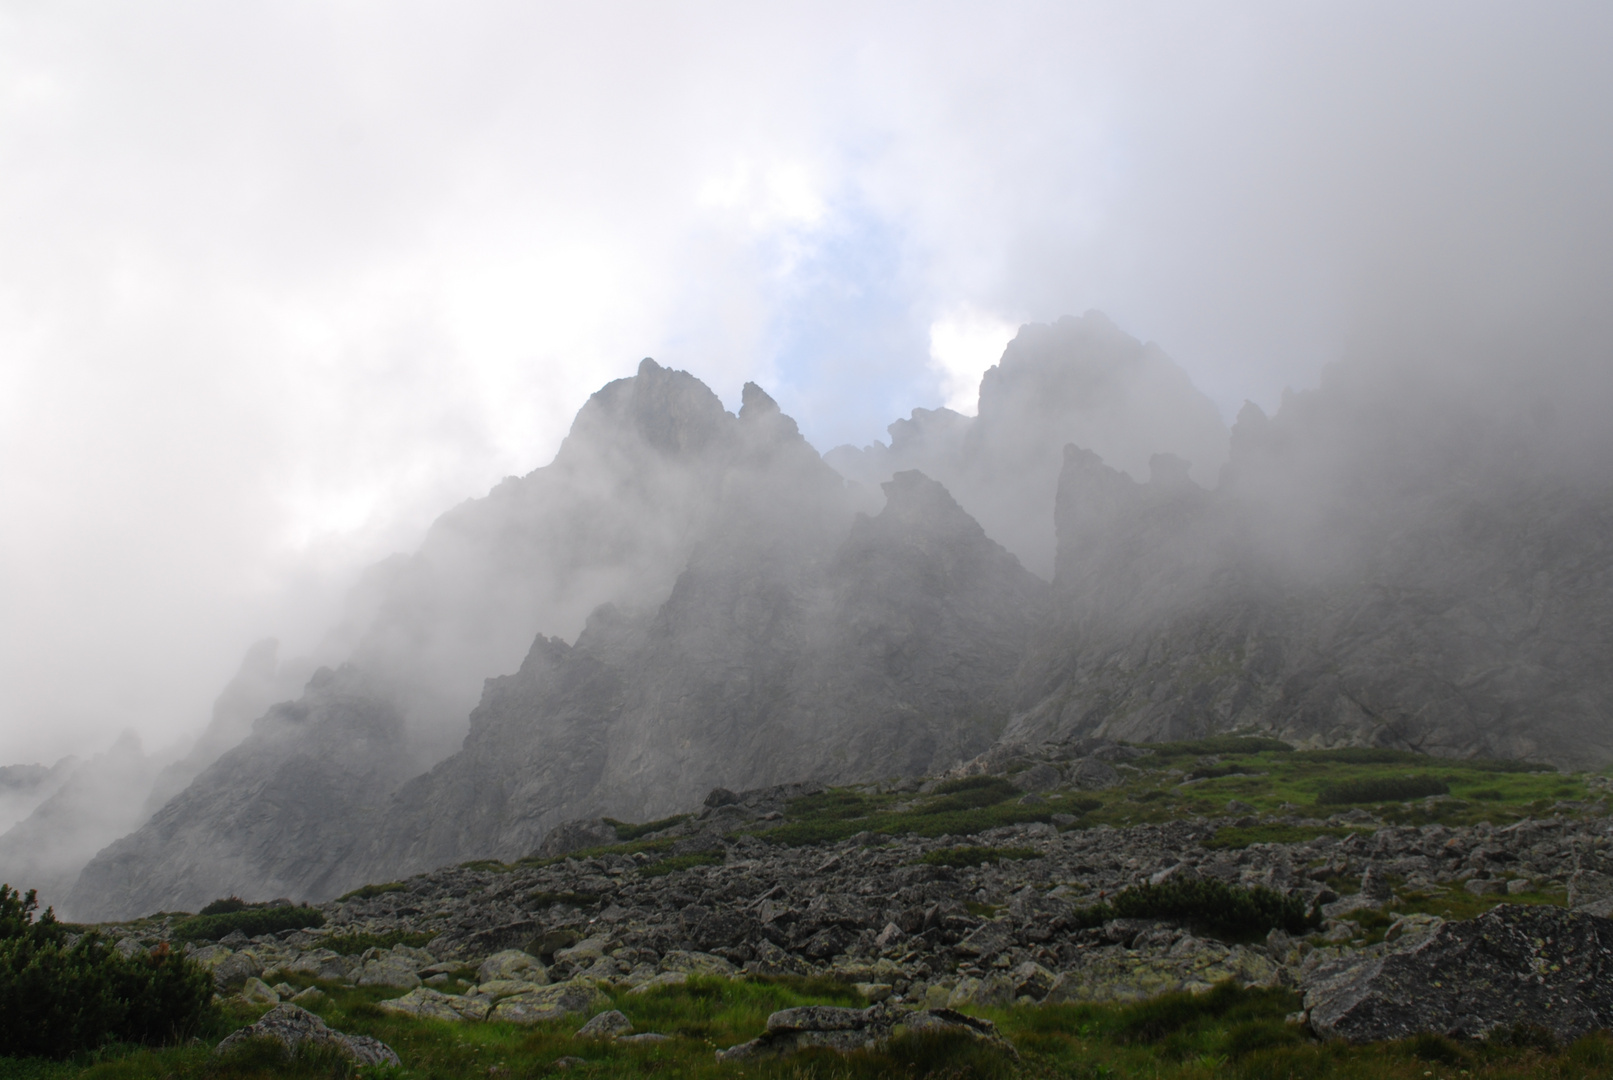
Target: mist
<point>278,286</point>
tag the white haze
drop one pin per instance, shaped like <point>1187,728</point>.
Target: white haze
<point>280,282</point>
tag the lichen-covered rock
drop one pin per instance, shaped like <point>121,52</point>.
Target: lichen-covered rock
<point>424,1001</point>
<point>512,964</point>
<point>1114,973</point>
<point>292,1027</point>
<point>234,970</point>
<point>1515,964</point>
<point>389,971</point>
<point>258,992</point>
<point>607,1025</point>
<point>550,1002</point>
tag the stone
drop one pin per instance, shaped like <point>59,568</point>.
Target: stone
<point>570,836</point>
<point>1515,964</point>
<point>313,995</point>
<point>720,797</point>
<point>992,991</point>
<point>1113,973</point>
<point>873,992</point>
<point>1031,979</point>
<point>235,969</point>
<point>503,988</point>
<point>433,1004</point>
<point>258,992</point>
<point>665,978</point>
<point>512,964</point>
<point>988,939</point>
<point>583,953</point>
<point>844,1030</point>
<point>550,1002</point>
<point>697,963</point>
<point>607,1025</point>
<point>1485,886</point>
<point>389,971</point>
<point>292,1026</point>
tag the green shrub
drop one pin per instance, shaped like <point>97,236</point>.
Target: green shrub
<point>251,921</point>
<point>363,892</point>
<point>224,906</point>
<point>1385,789</point>
<point>355,943</point>
<point>1230,912</point>
<point>977,856</point>
<point>59,998</point>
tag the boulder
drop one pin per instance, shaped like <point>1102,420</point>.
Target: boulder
<point>607,1025</point>
<point>550,1002</point>
<point>292,1027</point>
<point>258,992</point>
<point>424,1001</point>
<point>1515,964</point>
<point>665,978</point>
<point>512,964</point>
<point>387,970</point>
<point>234,970</point>
<point>1114,973</point>
<point>843,1029</point>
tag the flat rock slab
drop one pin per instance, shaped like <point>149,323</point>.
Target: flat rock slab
<point>837,1028</point>
<point>1515,964</point>
<point>293,1027</point>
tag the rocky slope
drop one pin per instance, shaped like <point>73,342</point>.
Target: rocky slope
<point>888,913</point>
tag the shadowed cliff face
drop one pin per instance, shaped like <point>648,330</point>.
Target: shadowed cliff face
<point>798,639</point>
<point>1369,572</point>
<point>1081,381</point>
<point>877,648</point>
<point>282,814</point>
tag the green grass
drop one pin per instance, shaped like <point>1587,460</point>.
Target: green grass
<point>1225,1033</point>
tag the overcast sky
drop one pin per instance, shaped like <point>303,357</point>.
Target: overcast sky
<point>279,282</point>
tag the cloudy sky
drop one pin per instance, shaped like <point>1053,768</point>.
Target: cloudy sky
<point>280,281</point>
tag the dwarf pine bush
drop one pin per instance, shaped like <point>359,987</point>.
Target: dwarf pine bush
<point>61,994</point>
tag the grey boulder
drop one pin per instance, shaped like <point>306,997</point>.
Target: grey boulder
<point>1516,964</point>
<point>293,1027</point>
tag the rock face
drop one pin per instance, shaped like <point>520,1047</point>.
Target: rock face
<point>1537,966</point>
<point>870,653</point>
<point>281,814</point>
<point>1077,380</point>
<point>1339,587</point>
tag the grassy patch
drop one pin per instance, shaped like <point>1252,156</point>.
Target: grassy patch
<point>976,856</point>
